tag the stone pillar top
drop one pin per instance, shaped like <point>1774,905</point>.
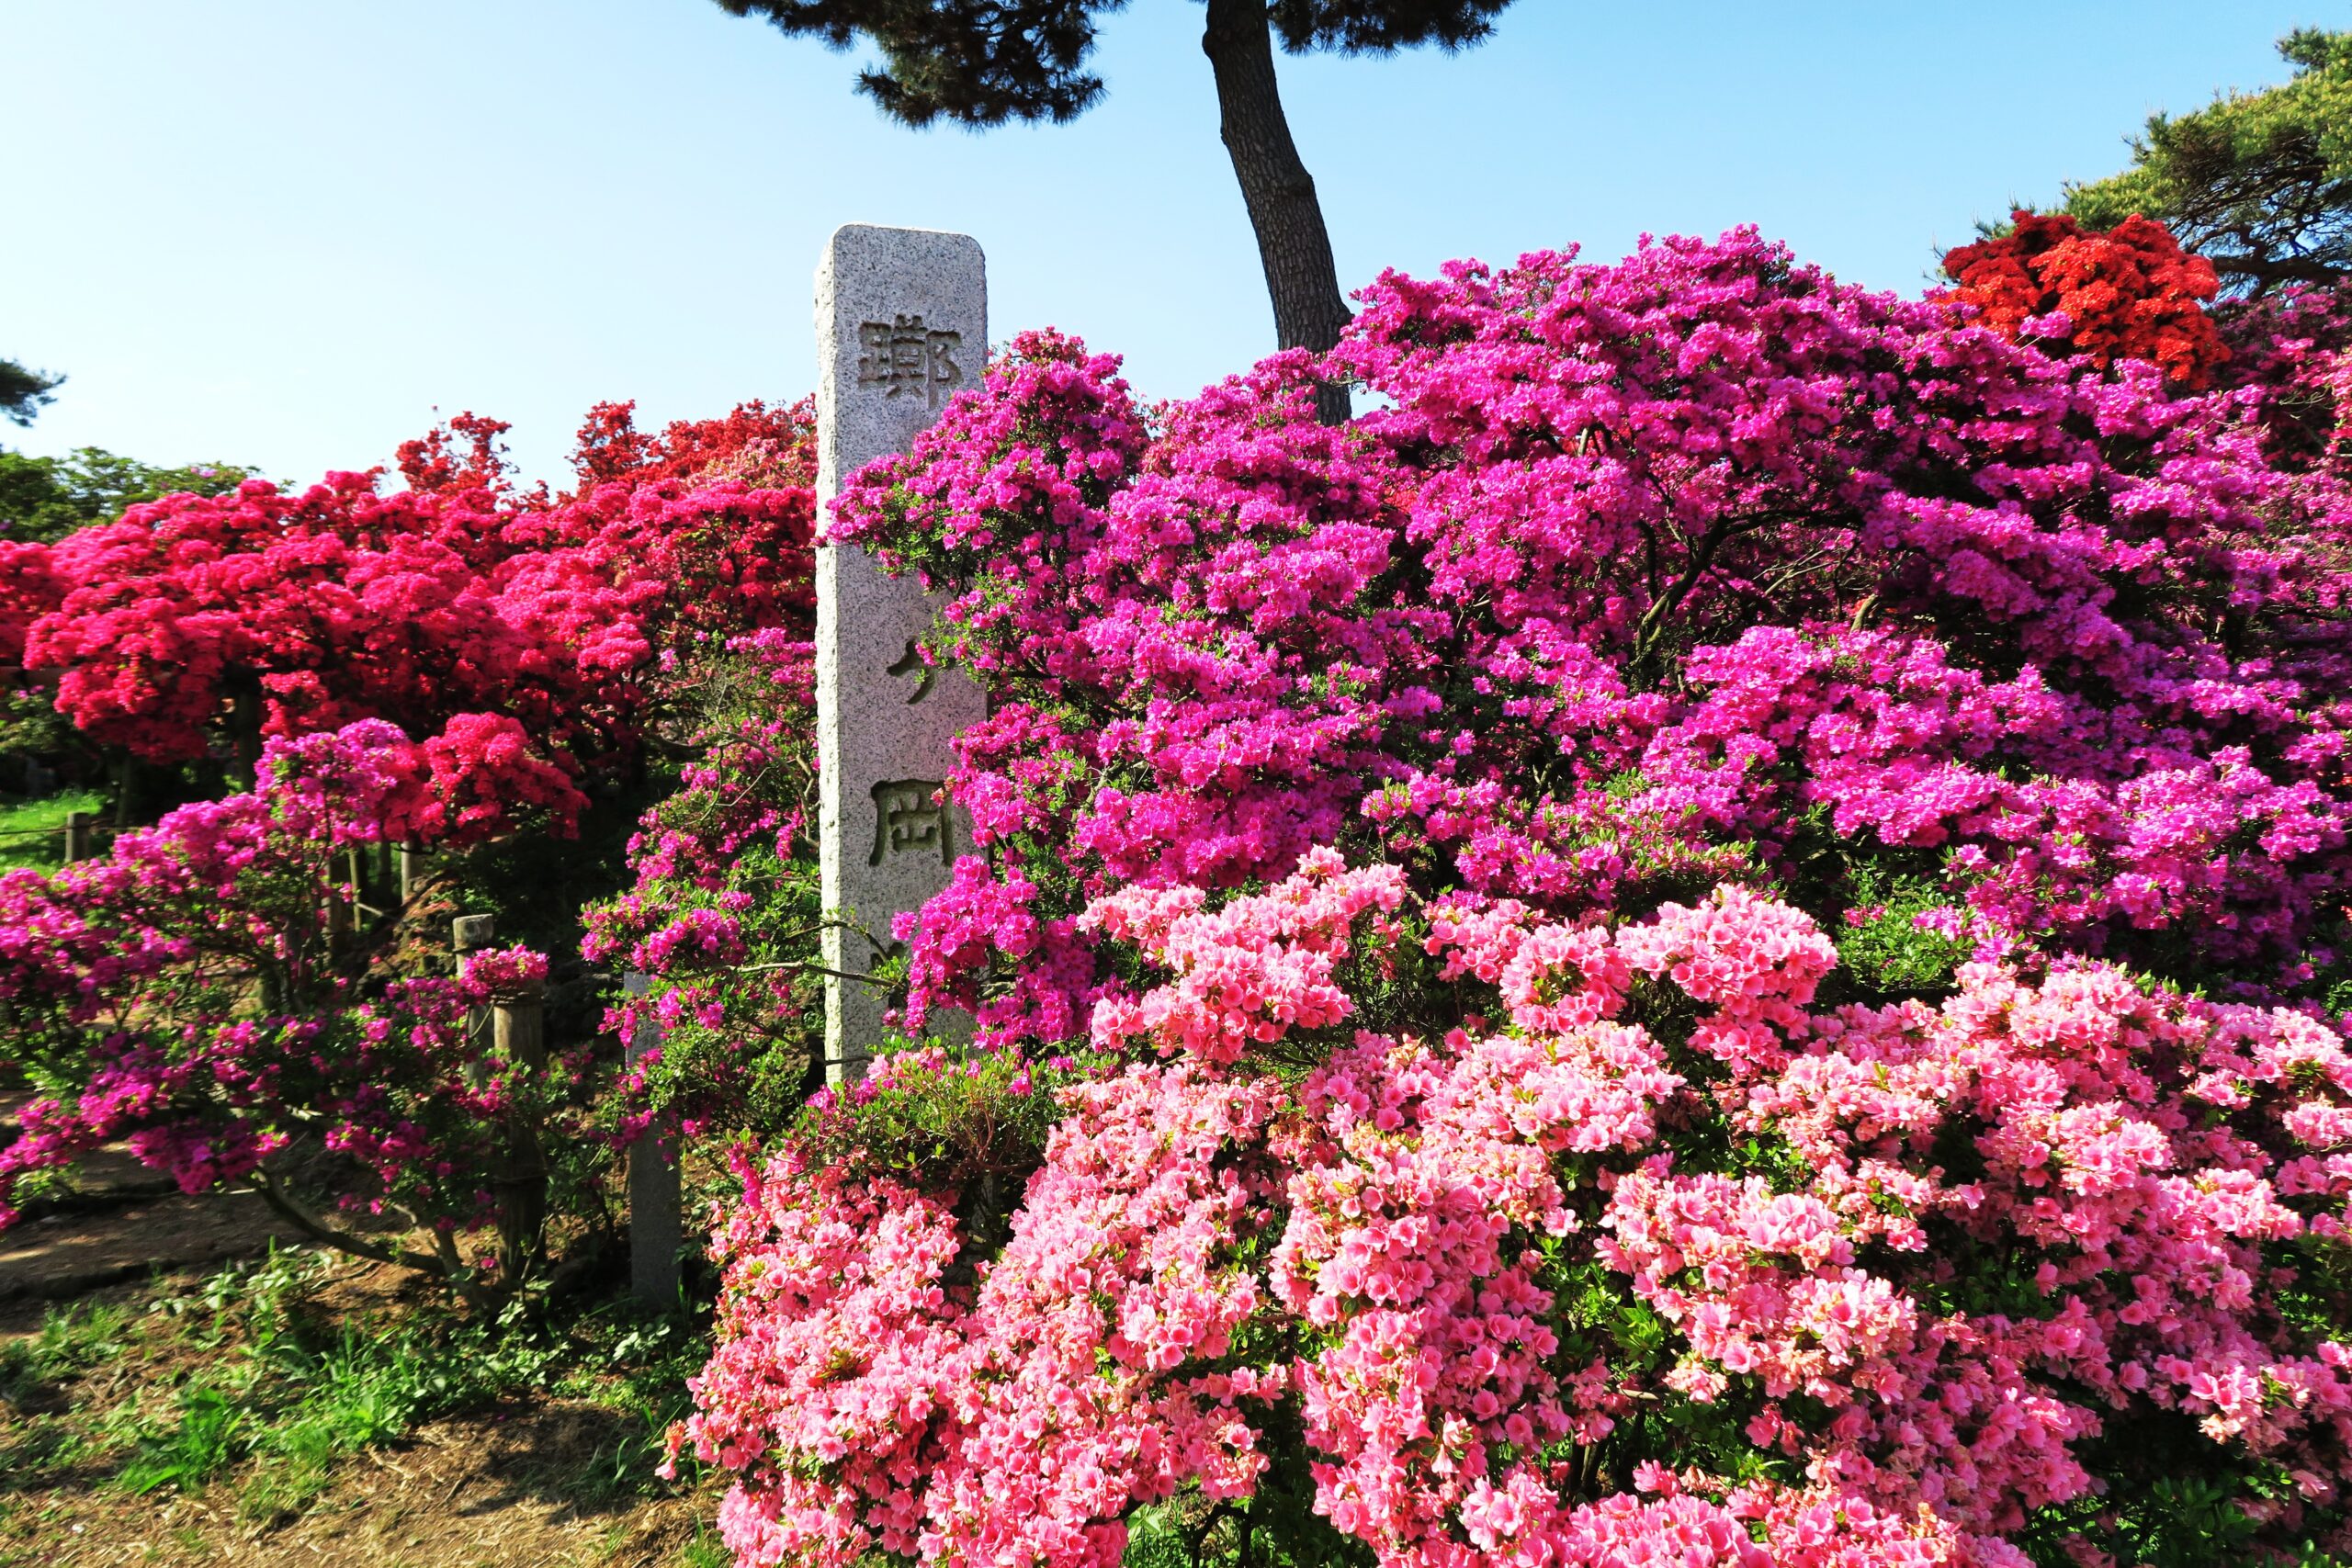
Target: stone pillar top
<point>901,324</point>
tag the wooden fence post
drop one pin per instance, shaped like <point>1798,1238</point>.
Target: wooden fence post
<point>471,933</point>
<point>342,918</point>
<point>355,872</point>
<point>656,1227</point>
<point>78,825</point>
<point>512,1029</point>
<point>519,1036</point>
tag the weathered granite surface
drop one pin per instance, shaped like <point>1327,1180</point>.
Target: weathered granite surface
<point>901,324</point>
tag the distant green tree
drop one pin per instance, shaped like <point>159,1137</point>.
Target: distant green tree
<point>48,498</point>
<point>2260,184</point>
<point>982,63</point>
<point>25,392</point>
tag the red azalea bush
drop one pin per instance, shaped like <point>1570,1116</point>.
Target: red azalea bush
<point>195,621</point>
<point>2128,292</point>
<point>1703,941</point>
<point>441,665</point>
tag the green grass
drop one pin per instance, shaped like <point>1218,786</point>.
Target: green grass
<point>634,1364</point>
<point>206,1436</point>
<point>32,832</point>
<point>305,1395</point>
<point>70,1342</point>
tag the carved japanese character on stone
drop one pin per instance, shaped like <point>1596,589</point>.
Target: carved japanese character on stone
<point>911,663</point>
<point>905,355</point>
<point>908,818</point>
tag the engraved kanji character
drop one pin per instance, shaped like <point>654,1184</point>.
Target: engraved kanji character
<point>908,815</point>
<point>903,355</point>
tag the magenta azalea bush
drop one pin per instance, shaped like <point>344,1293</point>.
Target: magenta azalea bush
<point>1653,568</point>
<point>722,914</point>
<point>195,993</point>
<point>1715,937</point>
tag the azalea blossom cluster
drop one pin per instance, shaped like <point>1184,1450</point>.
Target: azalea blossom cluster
<point>1498,1298</point>
<point>1706,939</point>
<point>2128,292</point>
<point>1696,563</point>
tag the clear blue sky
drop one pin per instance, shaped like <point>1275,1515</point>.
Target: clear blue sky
<point>282,232</point>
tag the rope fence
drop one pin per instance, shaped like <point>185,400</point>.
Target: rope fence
<point>80,831</point>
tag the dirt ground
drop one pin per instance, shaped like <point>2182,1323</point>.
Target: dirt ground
<point>126,1227</point>
<point>513,1485</point>
<point>480,1492</point>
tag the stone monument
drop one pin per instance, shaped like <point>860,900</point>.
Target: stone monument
<point>901,324</point>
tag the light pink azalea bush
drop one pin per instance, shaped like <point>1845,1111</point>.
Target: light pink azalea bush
<point>1656,1259</point>
<point>1710,939</point>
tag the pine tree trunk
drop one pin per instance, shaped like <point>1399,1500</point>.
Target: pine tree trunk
<point>1291,241</point>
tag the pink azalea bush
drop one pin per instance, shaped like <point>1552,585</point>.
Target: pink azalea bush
<point>1708,939</point>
